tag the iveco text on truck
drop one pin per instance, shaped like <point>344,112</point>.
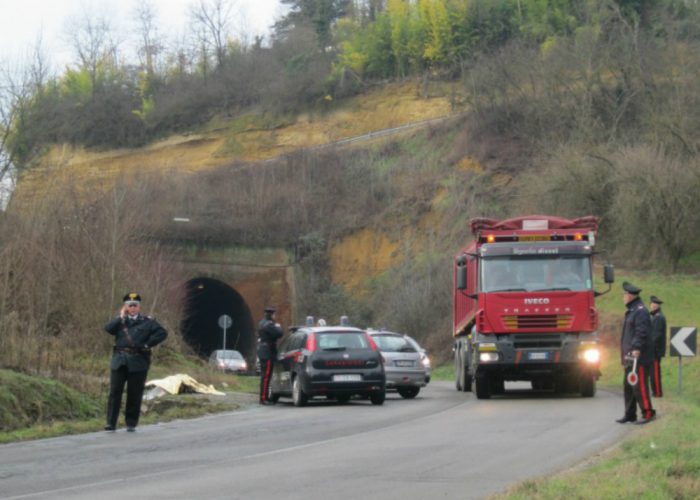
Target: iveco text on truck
<point>524,306</point>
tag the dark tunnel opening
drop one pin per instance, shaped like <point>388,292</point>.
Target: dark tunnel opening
<point>206,300</point>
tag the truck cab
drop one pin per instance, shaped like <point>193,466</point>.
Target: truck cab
<point>524,306</point>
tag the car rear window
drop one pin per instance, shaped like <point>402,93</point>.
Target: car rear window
<point>393,343</point>
<point>229,355</point>
<point>330,341</point>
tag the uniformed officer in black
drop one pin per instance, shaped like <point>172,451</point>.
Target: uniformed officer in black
<point>268,333</point>
<point>636,343</point>
<point>134,336</point>
<point>658,336</point>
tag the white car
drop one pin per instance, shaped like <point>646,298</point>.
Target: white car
<point>228,361</point>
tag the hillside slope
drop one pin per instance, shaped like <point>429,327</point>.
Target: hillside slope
<point>245,139</point>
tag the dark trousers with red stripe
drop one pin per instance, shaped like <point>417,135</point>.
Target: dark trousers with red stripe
<point>265,375</point>
<point>656,389</point>
<point>638,395</point>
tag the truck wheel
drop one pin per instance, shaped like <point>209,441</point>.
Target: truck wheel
<point>459,372</point>
<point>483,386</point>
<point>588,386</point>
<point>467,381</point>
<point>299,397</point>
<point>464,380</point>
<point>498,385</point>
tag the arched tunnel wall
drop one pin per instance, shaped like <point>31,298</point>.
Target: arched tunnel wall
<point>206,300</point>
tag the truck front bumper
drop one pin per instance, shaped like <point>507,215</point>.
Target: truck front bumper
<point>528,356</point>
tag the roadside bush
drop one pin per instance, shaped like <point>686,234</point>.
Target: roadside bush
<point>64,266</point>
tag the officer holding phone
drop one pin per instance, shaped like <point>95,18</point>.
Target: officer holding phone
<point>134,337</point>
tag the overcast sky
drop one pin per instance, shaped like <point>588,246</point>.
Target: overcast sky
<point>22,20</point>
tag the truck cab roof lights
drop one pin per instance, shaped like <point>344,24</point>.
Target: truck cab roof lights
<point>530,238</point>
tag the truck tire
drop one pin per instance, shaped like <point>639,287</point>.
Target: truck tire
<point>482,386</point>
<point>588,386</point>
<point>464,380</point>
<point>498,385</point>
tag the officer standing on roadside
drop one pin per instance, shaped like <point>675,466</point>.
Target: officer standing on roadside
<point>658,336</point>
<point>134,336</point>
<point>268,333</point>
<point>636,344</point>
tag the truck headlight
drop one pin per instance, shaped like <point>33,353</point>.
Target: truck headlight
<point>486,357</point>
<point>591,355</point>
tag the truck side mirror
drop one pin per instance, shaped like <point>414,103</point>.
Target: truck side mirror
<point>461,274</point>
<point>609,273</point>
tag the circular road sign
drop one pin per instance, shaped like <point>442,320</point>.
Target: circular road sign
<point>225,321</point>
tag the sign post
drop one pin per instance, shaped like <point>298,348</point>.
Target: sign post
<point>225,322</point>
<point>683,344</point>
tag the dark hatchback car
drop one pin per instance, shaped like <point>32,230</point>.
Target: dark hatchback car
<point>337,362</point>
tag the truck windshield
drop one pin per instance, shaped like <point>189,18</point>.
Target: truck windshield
<point>535,273</point>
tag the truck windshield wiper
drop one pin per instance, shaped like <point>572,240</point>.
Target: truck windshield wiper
<point>556,289</point>
<point>509,290</point>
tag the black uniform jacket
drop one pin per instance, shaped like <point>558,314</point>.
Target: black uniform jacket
<point>133,350</point>
<point>658,333</point>
<point>268,333</point>
<point>636,333</point>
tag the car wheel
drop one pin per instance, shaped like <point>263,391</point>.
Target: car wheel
<point>299,397</point>
<point>271,395</point>
<point>408,392</point>
<point>377,398</point>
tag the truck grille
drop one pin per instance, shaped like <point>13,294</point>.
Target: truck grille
<point>520,322</point>
<point>537,342</point>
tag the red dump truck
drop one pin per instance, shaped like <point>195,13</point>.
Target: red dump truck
<point>524,305</point>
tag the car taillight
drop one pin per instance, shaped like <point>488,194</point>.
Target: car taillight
<point>372,345</point>
<point>310,343</point>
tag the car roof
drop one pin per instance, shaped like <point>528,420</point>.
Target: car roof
<point>329,329</point>
<point>372,331</point>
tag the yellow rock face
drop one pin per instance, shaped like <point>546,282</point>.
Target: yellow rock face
<point>360,256</point>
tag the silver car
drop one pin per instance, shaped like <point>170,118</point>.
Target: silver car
<point>403,362</point>
<point>228,361</point>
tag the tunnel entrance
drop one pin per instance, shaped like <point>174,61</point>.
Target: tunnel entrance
<point>206,300</point>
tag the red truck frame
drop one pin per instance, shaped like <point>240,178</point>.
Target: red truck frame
<point>524,305</point>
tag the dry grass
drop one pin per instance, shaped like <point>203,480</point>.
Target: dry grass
<point>239,140</point>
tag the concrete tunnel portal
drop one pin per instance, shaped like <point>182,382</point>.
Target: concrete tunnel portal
<point>206,300</point>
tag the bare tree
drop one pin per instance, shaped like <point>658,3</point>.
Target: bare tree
<point>150,42</point>
<point>211,20</point>
<point>92,39</point>
<point>18,84</point>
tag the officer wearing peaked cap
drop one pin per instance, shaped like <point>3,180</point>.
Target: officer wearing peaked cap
<point>268,333</point>
<point>134,336</point>
<point>635,344</point>
<point>658,337</point>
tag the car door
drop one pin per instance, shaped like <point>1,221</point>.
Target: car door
<point>291,359</point>
<point>278,367</point>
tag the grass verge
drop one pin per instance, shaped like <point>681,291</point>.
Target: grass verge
<point>34,407</point>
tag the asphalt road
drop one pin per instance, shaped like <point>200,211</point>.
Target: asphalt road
<point>443,444</point>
